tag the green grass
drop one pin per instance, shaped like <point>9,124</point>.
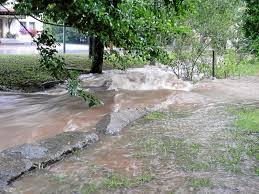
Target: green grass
<point>156,116</point>
<point>60,178</point>
<point>90,188</point>
<point>230,159</point>
<point>144,179</point>
<point>116,181</point>
<point>253,151</point>
<point>256,170</point>
<point>24,71</point>
<point>248,119</point>
<point>201,182</point>
<point>235,66</point>
<point>184,154</point>
<point>246,139</point>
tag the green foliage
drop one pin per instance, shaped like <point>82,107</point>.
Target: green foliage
<point>218,21</point>
<point>55,64</point>
<point>135,25</point>
<point>212,24</point>
<point>253,151</point>
<point>236,65</point>
<point>229,66</point>
<point>74,89</point>
<point>251,27</point>
<point>124,61</point>
<point>49,59</point>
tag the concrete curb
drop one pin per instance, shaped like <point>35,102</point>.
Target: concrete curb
<point>16,161</point>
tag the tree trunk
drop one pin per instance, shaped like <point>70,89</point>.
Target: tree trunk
<point>91,47</point>
<point>97,64</point>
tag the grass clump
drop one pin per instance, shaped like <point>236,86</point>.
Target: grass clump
<point>156,115</point>
<point>201,182</point>
<point>253,151</point>
<point>115,181</point>
<point>90,188</point>
<point>144,179</point>
<point>231,158</point>
<point>256,170</point>
<point>60,178</point>
<point>245,139</point>
<point>248,119</point>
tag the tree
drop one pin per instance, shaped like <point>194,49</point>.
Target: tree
<point>130,24</point>
<point>213,24</point>
<point>251,25</point>
<point>218,21</point>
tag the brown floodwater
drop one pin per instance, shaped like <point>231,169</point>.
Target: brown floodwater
<point>143,150</point>
<point>199,117</point>
<point>26,118</point>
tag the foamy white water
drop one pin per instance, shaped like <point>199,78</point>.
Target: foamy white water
<point>146,78</point>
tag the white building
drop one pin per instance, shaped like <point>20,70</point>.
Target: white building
<point>11,28</point>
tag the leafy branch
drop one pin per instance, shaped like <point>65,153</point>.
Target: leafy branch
<point>55,64</point>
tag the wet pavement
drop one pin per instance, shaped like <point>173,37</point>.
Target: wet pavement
<point>28,49</point>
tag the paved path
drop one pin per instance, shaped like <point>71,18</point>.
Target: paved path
<point>31,49</point>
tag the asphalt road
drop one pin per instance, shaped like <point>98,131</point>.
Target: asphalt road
<point>31,49</point>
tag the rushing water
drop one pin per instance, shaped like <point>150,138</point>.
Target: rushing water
<point>26,118</point>
<point>198,118</point>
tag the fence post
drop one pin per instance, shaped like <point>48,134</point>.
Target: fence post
<point>64,39</point>
<point>213,63</point>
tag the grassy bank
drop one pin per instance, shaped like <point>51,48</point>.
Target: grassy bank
<point>24,71</point>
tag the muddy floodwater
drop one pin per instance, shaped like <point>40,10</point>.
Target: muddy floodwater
<point>188,145</point>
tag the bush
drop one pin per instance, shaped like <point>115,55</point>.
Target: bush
<point>237,65</point>
<point>123,61</point>
<point>10,35</point>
